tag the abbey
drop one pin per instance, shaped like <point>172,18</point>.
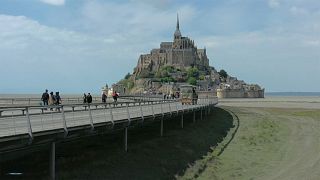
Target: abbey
<point>181,53</point>
<point>180,62</point>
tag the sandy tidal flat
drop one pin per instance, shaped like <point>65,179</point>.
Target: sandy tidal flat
<point>307,102</point>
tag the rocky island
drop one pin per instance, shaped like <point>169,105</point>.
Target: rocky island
<point>180,62</point>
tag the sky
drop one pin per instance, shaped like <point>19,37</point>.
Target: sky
<point>76,46</point>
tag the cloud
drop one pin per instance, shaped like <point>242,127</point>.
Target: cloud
<point>54,2</point>
<point>273,3</point>
<point>298,11</point>
<point>102,41</point>
<point>44,57</point>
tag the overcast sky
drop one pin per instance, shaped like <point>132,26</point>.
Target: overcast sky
<point>75,46</point>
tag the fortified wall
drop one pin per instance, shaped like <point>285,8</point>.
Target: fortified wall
<point>240,93</point>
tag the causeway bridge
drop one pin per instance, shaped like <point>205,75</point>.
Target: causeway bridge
<point>25,126</point>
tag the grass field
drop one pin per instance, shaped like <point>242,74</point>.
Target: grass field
<point>271,143</point>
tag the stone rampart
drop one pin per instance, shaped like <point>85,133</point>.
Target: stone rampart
<point>239,93</point>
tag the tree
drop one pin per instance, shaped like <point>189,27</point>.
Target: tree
<point>127,76</point>
<point>192,81</point>
<point>193,72</point>
<point>223,73</point>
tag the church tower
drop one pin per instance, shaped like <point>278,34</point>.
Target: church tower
<point>177,33</point>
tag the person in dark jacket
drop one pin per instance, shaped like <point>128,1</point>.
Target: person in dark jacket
<point>115,96</point>
<point>58,98</point>
<point>45,98</point>
<point>89,98</point>
<point>104,97</point>
<point>84,98</point>
<point>58,101</point>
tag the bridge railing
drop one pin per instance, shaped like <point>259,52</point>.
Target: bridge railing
<point>18,101</point>
<point>32,119</point>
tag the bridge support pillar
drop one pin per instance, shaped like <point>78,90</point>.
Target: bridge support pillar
<point>52,163</point>
<point>182,121</point>
<point>126,139</point>
<point>161,127</point>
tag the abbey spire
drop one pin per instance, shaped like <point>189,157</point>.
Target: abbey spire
<point>177,33</point>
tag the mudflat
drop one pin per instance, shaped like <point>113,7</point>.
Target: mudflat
<point>305,102</point>
<point>274,138</point>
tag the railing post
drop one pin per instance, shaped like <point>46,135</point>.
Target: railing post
<point>161,123</point>
<point>52,163</point>
<point>141,113</point>
<point>111,115</point>
<point>65,128</point>
<point>29,124</point>
<point>170,109</point>
<point>129,119</point>
<point>162,113</point>
<point>90,116</point>
<point>177,108</point>
<point>152,111</point>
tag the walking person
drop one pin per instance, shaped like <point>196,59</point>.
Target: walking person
<point>58,100</point>
<point>104,97</point>
<point>84,98</point>
<point>115,96</point>
<point>51,100</point>
<point>45,98</point>
<point>89,98</point>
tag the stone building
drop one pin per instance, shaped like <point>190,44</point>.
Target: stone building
<point>181,53</point>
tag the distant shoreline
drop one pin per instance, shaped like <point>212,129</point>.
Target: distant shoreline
<point>292,94</point>
<point>267,94</point>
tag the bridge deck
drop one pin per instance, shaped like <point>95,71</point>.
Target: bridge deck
<point>14,122</point>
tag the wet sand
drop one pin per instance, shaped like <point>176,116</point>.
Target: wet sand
<point>305,102</point>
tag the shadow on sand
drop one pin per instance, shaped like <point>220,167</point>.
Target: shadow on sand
<point>149,156</point>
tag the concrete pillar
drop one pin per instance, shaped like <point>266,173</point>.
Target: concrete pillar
<point>52,162</point>
<point>126,139</point>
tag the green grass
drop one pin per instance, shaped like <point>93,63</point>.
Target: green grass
<point>267,141</point>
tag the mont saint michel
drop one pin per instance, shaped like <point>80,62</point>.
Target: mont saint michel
<point>181,62</point>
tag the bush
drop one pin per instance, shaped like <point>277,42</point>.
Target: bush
<point>192,81</point>
<point>193,72</point>
<point>127,76</point>
<point>223,73</point>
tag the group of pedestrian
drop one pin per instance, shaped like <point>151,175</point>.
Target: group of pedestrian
<point>171,96</point>
<point>51,99</point>
<point>87,98</point>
